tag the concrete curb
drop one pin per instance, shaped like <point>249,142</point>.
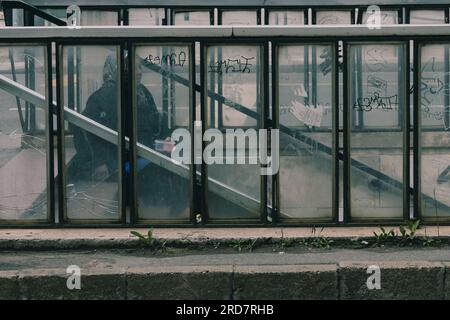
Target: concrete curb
<point>399,280</point>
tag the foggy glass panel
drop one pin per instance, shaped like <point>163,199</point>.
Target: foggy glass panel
<point>161,193</point>
<point>377,155</point>
<point>92,168</point>
<point>427,17</point>
<point>387,17</point>
<point>232,17</point>
<point>305,164</point>
<point>333,17</point>
<point>237,76</point>
<point>23,136</point>
<point>286,17</point>
<point>146,16</point>
<point>99,18</point>
<point>17,18</point>
<point>192,18</point>
<point>435,130</point>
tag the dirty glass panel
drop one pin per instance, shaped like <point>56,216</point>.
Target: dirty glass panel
<point>427,17</point>
<point>305,155</point>
<point>333,17</point>
<point>376,140</point>
<point>162,194</point>
<point>232,17</point>
<point>435,130</point>
<point>146,16</point>
<point>239,81</point>
<point>99,18</point>
<point>92,97</point>
<point>23,136</point>
<point>291,17</point>
<point>201,17</point>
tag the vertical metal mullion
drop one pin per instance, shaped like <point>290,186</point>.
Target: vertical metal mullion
<point>132,132</point>
<point>60,132</point>
<point>406,128</point>
<point>125,90</point>
<point>335,134</point>
<point>416,131</point>
<point>203,115</point>
<point>346,134</point>
<point>275,125</point>
<point>264,82</point>
<point>192,115</point>
<point>49,134</point>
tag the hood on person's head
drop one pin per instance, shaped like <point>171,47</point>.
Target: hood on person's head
<point>110,68</point>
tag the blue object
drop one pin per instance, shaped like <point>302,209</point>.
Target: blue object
<point>141,164</point>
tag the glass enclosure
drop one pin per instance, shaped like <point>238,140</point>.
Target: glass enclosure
<point>23,135</point>
<point>237,76</point>
<point>377,103</point>
<point>161,194</point>
<point>435,130</point>
<point>91,91</point>
<point>306,162</point>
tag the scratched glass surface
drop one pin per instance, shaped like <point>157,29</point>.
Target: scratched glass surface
<point>386,17</point>
<point>146,16</point>
<point>233,72</point>
<point>333,17</point>
<point>161,194</point>
<point>92,90</point>
<point>305,100</point>
<point>23,169</point>
<point>435,133</point>
<point>376,103</point>
<point>426,17</point>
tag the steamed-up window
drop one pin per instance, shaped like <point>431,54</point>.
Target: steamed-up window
<point>146,16</point>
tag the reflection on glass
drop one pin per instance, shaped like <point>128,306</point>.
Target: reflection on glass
<point>23,137</point>
<point>92,165</point>
<point>239,81</point>
<point>305,156</point>
<point>146,16</point>
<point>162,195</point>
<point>245,17</point>
<point>291,17</point>
<point>376,102</point>
<point>435,130</point>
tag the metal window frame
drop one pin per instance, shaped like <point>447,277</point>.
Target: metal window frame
<point>136,219</point>
<point>48,221</point>
<point>64,220</point>
<point>348,130</point>
<point>334,181</point>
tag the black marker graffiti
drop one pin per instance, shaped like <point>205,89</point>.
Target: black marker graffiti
<point>172,59</point>
<point>241,65</point>
<point>376,102</point>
